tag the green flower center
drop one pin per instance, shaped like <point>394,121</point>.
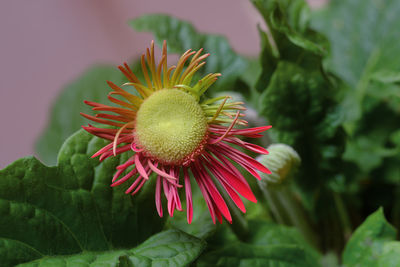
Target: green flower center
<point>170,126</point>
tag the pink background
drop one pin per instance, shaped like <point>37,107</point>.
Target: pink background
<point>46,43</point>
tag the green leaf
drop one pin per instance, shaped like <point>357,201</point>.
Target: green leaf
<point>366,245</point>
<point>386,76</point>
<point>268,245</point>
<point>355,152</point>
<point>315,132</point>
<point>289,38</point>
<point>292,18</point>
<point>169,248</point>
<point>71,207</point>
<point>181,36</point>
<point>64,118</point>
<point>391,255</point>
<point>363,36</point>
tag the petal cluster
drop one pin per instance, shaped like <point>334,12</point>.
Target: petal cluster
<point>212,162</point>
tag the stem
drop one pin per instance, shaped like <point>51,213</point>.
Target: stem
<point>297,215</point>
<point>396,208</point>
<point>288,211</point>
<point>239,224</point>
<point>274,204</point>
<point>343,216</point>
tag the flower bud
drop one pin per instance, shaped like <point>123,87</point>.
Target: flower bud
<point>282,161</point>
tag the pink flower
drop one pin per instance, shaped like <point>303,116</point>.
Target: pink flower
<point>178,135</point>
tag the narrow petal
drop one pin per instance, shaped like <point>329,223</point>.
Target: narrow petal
<point>227,130</point>
<point>107,122</point>
<point>171,203</point>
<point>119,150</point>
<point>214,193</point>
<point>128,163</point>
<point>165,187</point>
<point>140,167</point>
<point>203,190</point>
<point>158,197</point>
<point>121,140</point>
<point>160,172</point>
<point>134,184</point>
<point>175,172</point>
<point>229,189</point>
<point>189,200</point>
<point>139,187</point>
<point>125,178</point>
<point>230,178</point>
<point>248,132</point>
<point>244,158</point>
<point>115,143</point>
<point>246,145</point>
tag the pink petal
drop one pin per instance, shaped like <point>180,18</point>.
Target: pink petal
<point>229,166</point>
<point>229,189</point>
<point>171,203</point>
<point>158,197</point>
<point>134,148</point>
<point>248,146</point>
<point>175,172</point>
<point>125,178</point>
<point>166,188</point>
<point>134,184</point>
<point>118,151</point>
<point>128,163</point>
<point>214,193</point>
<point>244,158</point>
<point>189,200</point>
<point>162,173</point>
<point>214,141</point>
<point>110,146</point>
<point>138,188</point>
<point>231,179</point>
<point>204,192</point>
<point>139,166</point>
<point>117,174</point>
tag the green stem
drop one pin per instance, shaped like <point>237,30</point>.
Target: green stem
<point>274,204</point>
<point>297,215</point>
<point>239,224</point>
<point>343,216</point>
<point>396,208</point>
<point>288,211</point>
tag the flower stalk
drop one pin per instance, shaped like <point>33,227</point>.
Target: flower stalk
<point>283,162</point>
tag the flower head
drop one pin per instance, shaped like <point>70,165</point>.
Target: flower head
<point>174,132</point>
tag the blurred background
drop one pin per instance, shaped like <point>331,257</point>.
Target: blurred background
<point>45,44</point>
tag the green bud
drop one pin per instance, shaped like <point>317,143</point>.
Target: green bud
<point>282,161</point>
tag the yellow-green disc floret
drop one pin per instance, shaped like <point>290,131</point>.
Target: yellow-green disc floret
<point>170,125</point>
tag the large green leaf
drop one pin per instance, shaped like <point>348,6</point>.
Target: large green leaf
<point>364,45</point>
<point>363,36</point>
<point>314,132</point>
<point>367,244</point>
<point>181,36</point>
<point>169,248</point>
<point>268,245</point>
<point>390,254</point>
<point>71,207</point>
<point>64,118</point>
<point>290,37</point>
